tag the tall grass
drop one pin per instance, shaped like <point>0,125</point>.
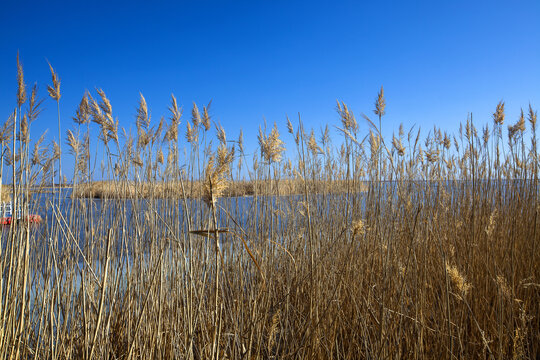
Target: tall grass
<point>420,247</point>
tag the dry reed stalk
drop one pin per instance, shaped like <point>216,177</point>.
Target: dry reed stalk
<point>102,298</point>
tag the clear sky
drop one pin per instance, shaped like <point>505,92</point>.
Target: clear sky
<point>437,60</point>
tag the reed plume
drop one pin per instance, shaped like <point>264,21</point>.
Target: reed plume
<point>498,115</point>
<point>380,103</point>
<point>54,90</point>
<point>21,89</point>
<point>271,145</point>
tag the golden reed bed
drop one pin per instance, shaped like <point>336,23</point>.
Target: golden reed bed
<point>445,263</point>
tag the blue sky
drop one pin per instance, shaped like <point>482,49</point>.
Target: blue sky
<point>259,60</point>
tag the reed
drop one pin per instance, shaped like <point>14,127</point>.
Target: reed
<point>345,246</point>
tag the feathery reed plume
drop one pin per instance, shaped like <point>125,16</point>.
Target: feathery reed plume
<point>215,181</point>
<point>38,154</point>
<point>190,133</point>
<point>490,228</point>
<point>457,279</point>
<point>396,143</point>
<point>532,116</point>
<point>498,115</point>
<point>325,137</point>
<point>358,228</point>
<point>347,118</point>
<point>8,156</point>
<point>102,114</point>
<point>380,103</point>
<point>143,119</point>
<point>56,150</point>
<point>172,132</point>
<point>95,111</point>
<point>82,113</point>
<point>312,144</point>
<point>206,117</point>
<point>485,136</point>
<point>24,135</point>
<point>374,143</point>
<point>195,116</point>
<point>159,157</point>
<point>54,90</point>
<point>73,143</point>
<point>6,131</point>
<point>158,130</point>
<point>21,89</point>
<point>289,126</point>
<point>34,105</point>
<point>446,142</point>
<point>105,105</point>
<point>271,145</point>
<point>136,160</point>
<point>241,141</point>
<point>520,125</point>
<point>512,130</point>
<point>221,136</point>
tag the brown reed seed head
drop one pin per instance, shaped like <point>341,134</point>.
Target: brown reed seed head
<point>457,279</point>
<point>24,135</point>
<point>190,133</point>
<point>195,116</point>
<point>347,118</point>
<point>358,228</point>
<point>56,150</point>
<point>7,128</point>
<point>271,145</point>
<point>73,143</point>
<point>380,103</point>
<point>136,160</point>
<point>95,111</point>
<point>520,125</point>
<point>532,116</point>
<point>54,90</point>
<point>373,142</point>
<point>176,113</point>
<point>396,143</point>
<point>143,119</point>
<point>446,142</point>
<point>221,136</point>
<point>206,119</point>
<point>157,132</point>
<point>512,130</point>
<point>215,181</point>
<point>21,89</point>
<point>312,144</point>
<point>83,111</point>
<point>224,156</point>
<point>290,126</point>
<point>241,141</point>
<point>159,157</point>
<point>486,135</point>
<point>498,115</point>
<point>105,105</point>
<point>34,104</point>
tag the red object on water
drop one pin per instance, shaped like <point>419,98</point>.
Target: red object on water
<point>32,219</point>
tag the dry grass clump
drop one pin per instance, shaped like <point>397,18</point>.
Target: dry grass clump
<point>422,247</point>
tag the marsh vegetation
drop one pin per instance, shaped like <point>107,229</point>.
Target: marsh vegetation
<point>420,246</point>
